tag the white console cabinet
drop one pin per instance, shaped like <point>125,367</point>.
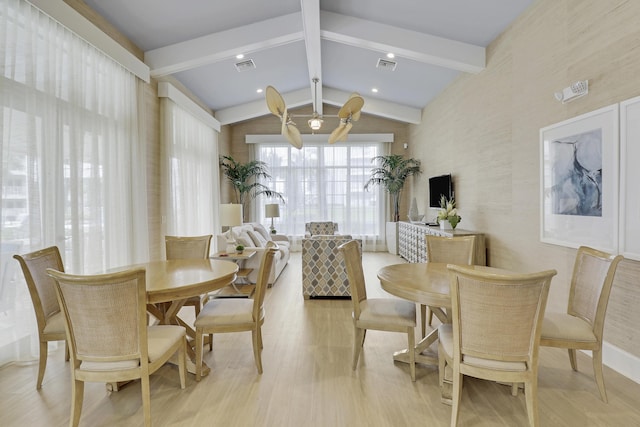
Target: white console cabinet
<point>412,244</point>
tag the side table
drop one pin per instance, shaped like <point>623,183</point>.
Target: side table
<point>241,287</point>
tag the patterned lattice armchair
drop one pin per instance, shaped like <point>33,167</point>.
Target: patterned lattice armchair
<point>323,270</point>
<point>320,228</point>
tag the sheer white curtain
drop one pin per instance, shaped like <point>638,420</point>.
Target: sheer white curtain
<point>191,180</point>
<point>73,167</point>
<point>323,182</point>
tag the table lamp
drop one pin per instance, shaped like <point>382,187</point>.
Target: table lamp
<point>230,216</point>
<point>272,210</point>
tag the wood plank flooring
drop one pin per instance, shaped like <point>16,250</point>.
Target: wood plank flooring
<point>308,380</point>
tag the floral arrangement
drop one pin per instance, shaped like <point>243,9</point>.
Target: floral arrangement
<point>448,211</point>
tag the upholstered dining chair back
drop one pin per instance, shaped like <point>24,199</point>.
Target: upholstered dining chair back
<point>352,253</point>
<point>582,326</point>
<point>108,333</point>
<point>43,296</point>
<point>452,250</point>
<point>495,333</point>
<point>591,284</point>
<point>193,247</point>
<point>458,250</point>
<point>262,283</point>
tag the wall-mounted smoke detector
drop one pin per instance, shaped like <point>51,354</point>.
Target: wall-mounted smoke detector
<point>245,65</point>
<point>385,64</point>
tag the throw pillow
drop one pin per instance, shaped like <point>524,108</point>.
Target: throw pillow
<point>263,231</point>
<point>257,238</point>
<point>244,240</point>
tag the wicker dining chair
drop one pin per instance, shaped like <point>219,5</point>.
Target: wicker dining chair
<point>495,332</point>
<point>381,314</point>
<point>221,315</point>
<point>192,247</point>
<point>43,296</point>
<point>582,326</point>
<point>460,250</point>
<point>108,334</point>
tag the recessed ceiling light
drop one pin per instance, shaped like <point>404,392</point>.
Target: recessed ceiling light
<point>239,56</point>
<point>374,90</point>
<point>259,90</point>
<point>390,55</point>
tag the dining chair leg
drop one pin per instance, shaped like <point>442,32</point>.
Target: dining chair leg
<point>531,399</point>
<point>357,345</point>
<point>77,395</point>
<point>199,336</point>
<point>423,319</point>
<point>514,389</point>
<point>455,401</point>
<point>597,372</point>
<point>146,398</point>
<point>572,359</point>
<point>255,335</point>
<point>42,364</point>
<point>210,342</point>
<point>182,363</point>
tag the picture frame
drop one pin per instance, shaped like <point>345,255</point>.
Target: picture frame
<point>629,241</point>
<point>579,181</point>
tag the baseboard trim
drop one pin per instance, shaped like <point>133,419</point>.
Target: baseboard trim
<point>621,361</point>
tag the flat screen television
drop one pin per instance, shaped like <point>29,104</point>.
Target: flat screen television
<point>438,186</point>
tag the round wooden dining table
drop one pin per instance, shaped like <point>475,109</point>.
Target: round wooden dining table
<point>423,283</point>
<point>171,283</point>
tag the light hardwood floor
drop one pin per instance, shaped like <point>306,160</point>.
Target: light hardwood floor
<point>308,380</point>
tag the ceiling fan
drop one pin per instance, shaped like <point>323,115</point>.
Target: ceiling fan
<point>348,113</point>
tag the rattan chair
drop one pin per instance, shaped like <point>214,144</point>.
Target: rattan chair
<point>193,247</point>
<point>581,327</point>
<point>382,314</point>
<point>495,332</point>
<point>43,296</point>
<point>221,315</point>
<point>109,338</point>
<point>458,250</point>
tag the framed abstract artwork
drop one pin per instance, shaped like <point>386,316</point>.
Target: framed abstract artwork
<point>579,181</point>
<point>630,178</point>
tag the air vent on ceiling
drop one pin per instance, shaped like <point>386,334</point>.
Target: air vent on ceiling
<point>385,64</point>
<point>245,65</point>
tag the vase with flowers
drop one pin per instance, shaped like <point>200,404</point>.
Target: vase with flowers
<point>448,214</point>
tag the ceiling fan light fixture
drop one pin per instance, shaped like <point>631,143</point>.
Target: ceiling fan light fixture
<point>315,123</point>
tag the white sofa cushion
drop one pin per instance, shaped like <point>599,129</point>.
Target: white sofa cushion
<point>258,240</point>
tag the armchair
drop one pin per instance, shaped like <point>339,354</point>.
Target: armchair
<point>323,269</point>
<point>320,228</point>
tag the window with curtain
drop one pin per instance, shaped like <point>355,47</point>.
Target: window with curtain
<point>323,182</point>
<point>73,167</point>
<point>191,181</point>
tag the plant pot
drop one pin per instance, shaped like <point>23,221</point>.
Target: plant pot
<point>445,225</point>
<point>392,237</point>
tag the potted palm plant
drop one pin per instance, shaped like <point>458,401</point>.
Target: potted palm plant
<point>391,173</point>
<point>244,177</point>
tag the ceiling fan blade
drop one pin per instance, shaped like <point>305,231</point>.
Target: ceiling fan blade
<point>275,102</point>
<point>352,106</point>
<point>335,134</point>
<point>345,132</point>
<point>293,135</point>
<point>356,115</point>
<point>285,119</point>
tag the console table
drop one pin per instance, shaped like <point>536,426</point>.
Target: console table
<point>412,244</point>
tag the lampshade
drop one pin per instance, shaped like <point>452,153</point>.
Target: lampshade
<point>272,210</point>
<point>230,215</point>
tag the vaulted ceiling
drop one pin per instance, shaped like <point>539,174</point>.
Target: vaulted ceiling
<point>292,41</point>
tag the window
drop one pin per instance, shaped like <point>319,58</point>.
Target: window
<point>324,182</point>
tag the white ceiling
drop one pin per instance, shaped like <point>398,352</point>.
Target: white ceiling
<point>292,41</point>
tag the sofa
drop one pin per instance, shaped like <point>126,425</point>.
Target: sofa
<point>323,269</point>
<point>254,236</point>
